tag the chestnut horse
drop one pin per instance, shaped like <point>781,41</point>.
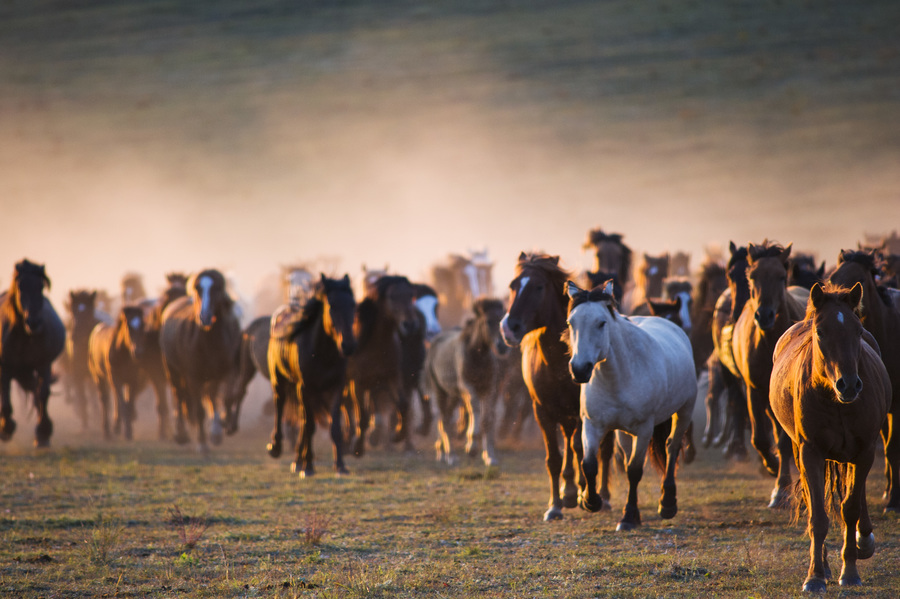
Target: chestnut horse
<point>612,259</point>
<point>830,392</point>
<point>307,360</point>
<point>882,319</point>
<point>82,320</point>
<point>536,321</point>
<point>31,337</point>
<point>199,338</point>
<point>114,353</point>
<point>463,369</point>
<point>769,312</point>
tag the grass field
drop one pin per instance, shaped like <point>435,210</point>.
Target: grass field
<point>150,519</point>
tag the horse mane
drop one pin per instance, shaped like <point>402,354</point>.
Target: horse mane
<point>740,253</point>
<point>597,294</point>
<point>547,264</point>
<point>480,308</point>
<point>421,290</point>
<point>708,272</point>
<point>861,257</point>
<point>835,290</point>
<point>764,250</point>
<point>366,316</point>
<point>382,284</point>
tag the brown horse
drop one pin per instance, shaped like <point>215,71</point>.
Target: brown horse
<point>83,317</point>
<point>31,337</point>
<point>252,359</point>
<point>463,368</point>
<point>882,319</point>
<point>114,353</point>
<point>612,260</point>
<point>830,392</point>
<point>151,359</point>
<point>536,321</point>
<point>375,371</point>
<point>307,361</point>
<point>712,282</point>
<point>651,274</point>
<point>459,282</point>
<point>199,339</point>
<point>769,312</point>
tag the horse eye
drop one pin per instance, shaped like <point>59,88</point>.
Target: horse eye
<point>601,324</point>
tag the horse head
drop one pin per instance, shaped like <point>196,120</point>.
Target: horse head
<point>736,273</point>
<point>130,327</point>
<point>537,297</point>
<point>81,307</point>
<point>488,315</point>
<point>339,305</point>
<point>395,300</point>
<point>588,337</point>
<point>652,273</point>
<point>427,303</point>
<point>27,293</point>
<point>802,271</point>
<point>856,267</point>
<point>767,268</point>
<point>837,337</point>
<point>680,289</point>
<point>132,288</point>
<point>610,253</point>
<point>211,300</point>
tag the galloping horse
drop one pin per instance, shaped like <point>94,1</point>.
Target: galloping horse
<point>830,392</point>
<point>252,359</point>
<point>375,371</point>
<point>651,275</point>
<point>308,364</point>
<point>31,337</point>
<point>199,339</point>
<point>713,281</point>
<point>82,320</point>
<point>151,360</point>
<point>769,312</point>
<point>882,319</point>
<point>612,259</point>
<point>535,321</point>
<point>114,353</point>
<point>637,378</point>
<point>461,281</point>
<point>463,368</point>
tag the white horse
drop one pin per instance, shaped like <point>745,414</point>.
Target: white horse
<point>637,377</point>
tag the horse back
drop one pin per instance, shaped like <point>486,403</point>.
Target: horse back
<point>35,350</point>
<point>664,348</point>
<point>442,362</point>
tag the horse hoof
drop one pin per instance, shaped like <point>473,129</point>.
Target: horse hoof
<point>7,428</point>
<point>892,509</point>
<point>216,439</point>
<point>274,449</point>
<point>690,453</point>
<point>181,438</point>
<point>851,581</point>
<point>781,499</point>
<point>305,473</point>
<point>624,526</point>
<point>359,448</point>
<point>42,442</point>
<point>340,471</point>
<point>814,585</point>
<point>585,504</point>
<point>865,546</point>
<point>554,513</point>
<point>667,512</point>
<point>570,501</point>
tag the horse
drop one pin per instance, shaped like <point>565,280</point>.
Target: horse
<point>710,285</point>
<point>307,361</point>
<point>459,282</point>
<point>596,278</point>
<point>769,312</point>
<point>375,370</point>
<point>114,353</point>
<point>199,338</point>
<point>252,359</point>
<point>724,375</point>
<point>32,336</point>
<point>535,321</point>
<point>650,277</point>
<point>611,255</point>
<point>151,359</point>
<point>676,306</point>
<point>803,272</point>
<point>427,302</point>
<point>414,343</point>
<point>830,392</point>
<point>463,368</point>
<point>83,317</point>
<point>882,319</point>
<point>637,378</point>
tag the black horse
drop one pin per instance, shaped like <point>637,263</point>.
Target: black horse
<point>309,354</point>
<point>32,336</point>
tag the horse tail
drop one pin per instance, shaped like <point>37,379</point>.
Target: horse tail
<point>657,450</point>
<point>837,476</point>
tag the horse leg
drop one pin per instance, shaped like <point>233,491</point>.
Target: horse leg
<point>361,409</point>
<point>472,414</point>
<point>607,450</point>
<point>162,405</point>
<point>812,468</point>
<point>7,424</point>
<point>714,412</point>
<point>118,406</point>
<point>446,407</point>
<point>592,434</point>
<point>488,431</point>
<point>210,395</point>
<point>631,515</point>
<point>337,435</point>
<point>865,538</point>
<point>278,396</point>
<point>781,494</point>
<point>757,404</point>
<point>892,462</point>
<point>573,476</point>
<point>553,461</point>
<point>855,477</point>
<point>103,395</point>
<point>681,422</point>
<point>303,465</point>
<point>198,399</point>
<point>44,428</point>
<point>735,416</point>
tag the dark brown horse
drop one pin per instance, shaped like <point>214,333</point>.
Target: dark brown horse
<point>724,375</point>
<point>252,359</point>
<point>536,321</point>
<point>83,317</point>
<point>199,339</point>
<point>375,371</point>
<point>31,337</point>
<point>151,359</point>
<point>712,282</point>
<point>882,319</point>
<point>114,353</point>
<point>463,369</point>
<point>648,282</point>
<point>611,255</point>
<point>830,392</point>
<point>307,360</point>
<point>769,312</point>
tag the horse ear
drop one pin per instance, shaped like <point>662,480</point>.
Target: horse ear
<point>555,260</point>
<point>816,295</point>
<point>572,289</point>
<point>786,252</point>
<point>608,288</point>
<point>322,277</point>
<point>346,279</point>
<point>731,247</point>
<point>821,272</point>
<point>523,257</point>
<point>855,297</point>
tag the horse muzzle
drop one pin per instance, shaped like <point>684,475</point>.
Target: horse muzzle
<point>765,318</point>
<point>348,346</point>
<point>34,326</point>
<point>848,388</point>
<point>581,372</point>
<point>510,330</point>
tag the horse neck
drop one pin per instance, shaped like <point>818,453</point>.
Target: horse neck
<point>10,307</point>
<point>121,336</point>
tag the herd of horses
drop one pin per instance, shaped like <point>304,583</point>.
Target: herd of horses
<point>807,359</point>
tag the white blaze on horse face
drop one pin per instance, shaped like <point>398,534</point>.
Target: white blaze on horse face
<point>82,307</point>
<point>685,312</point>
<point>840,317</point>
<point>135,323</point>
<point>522,282</point>
<point>427,305</point>
<point>205,283</point>
<point>471,273</point>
